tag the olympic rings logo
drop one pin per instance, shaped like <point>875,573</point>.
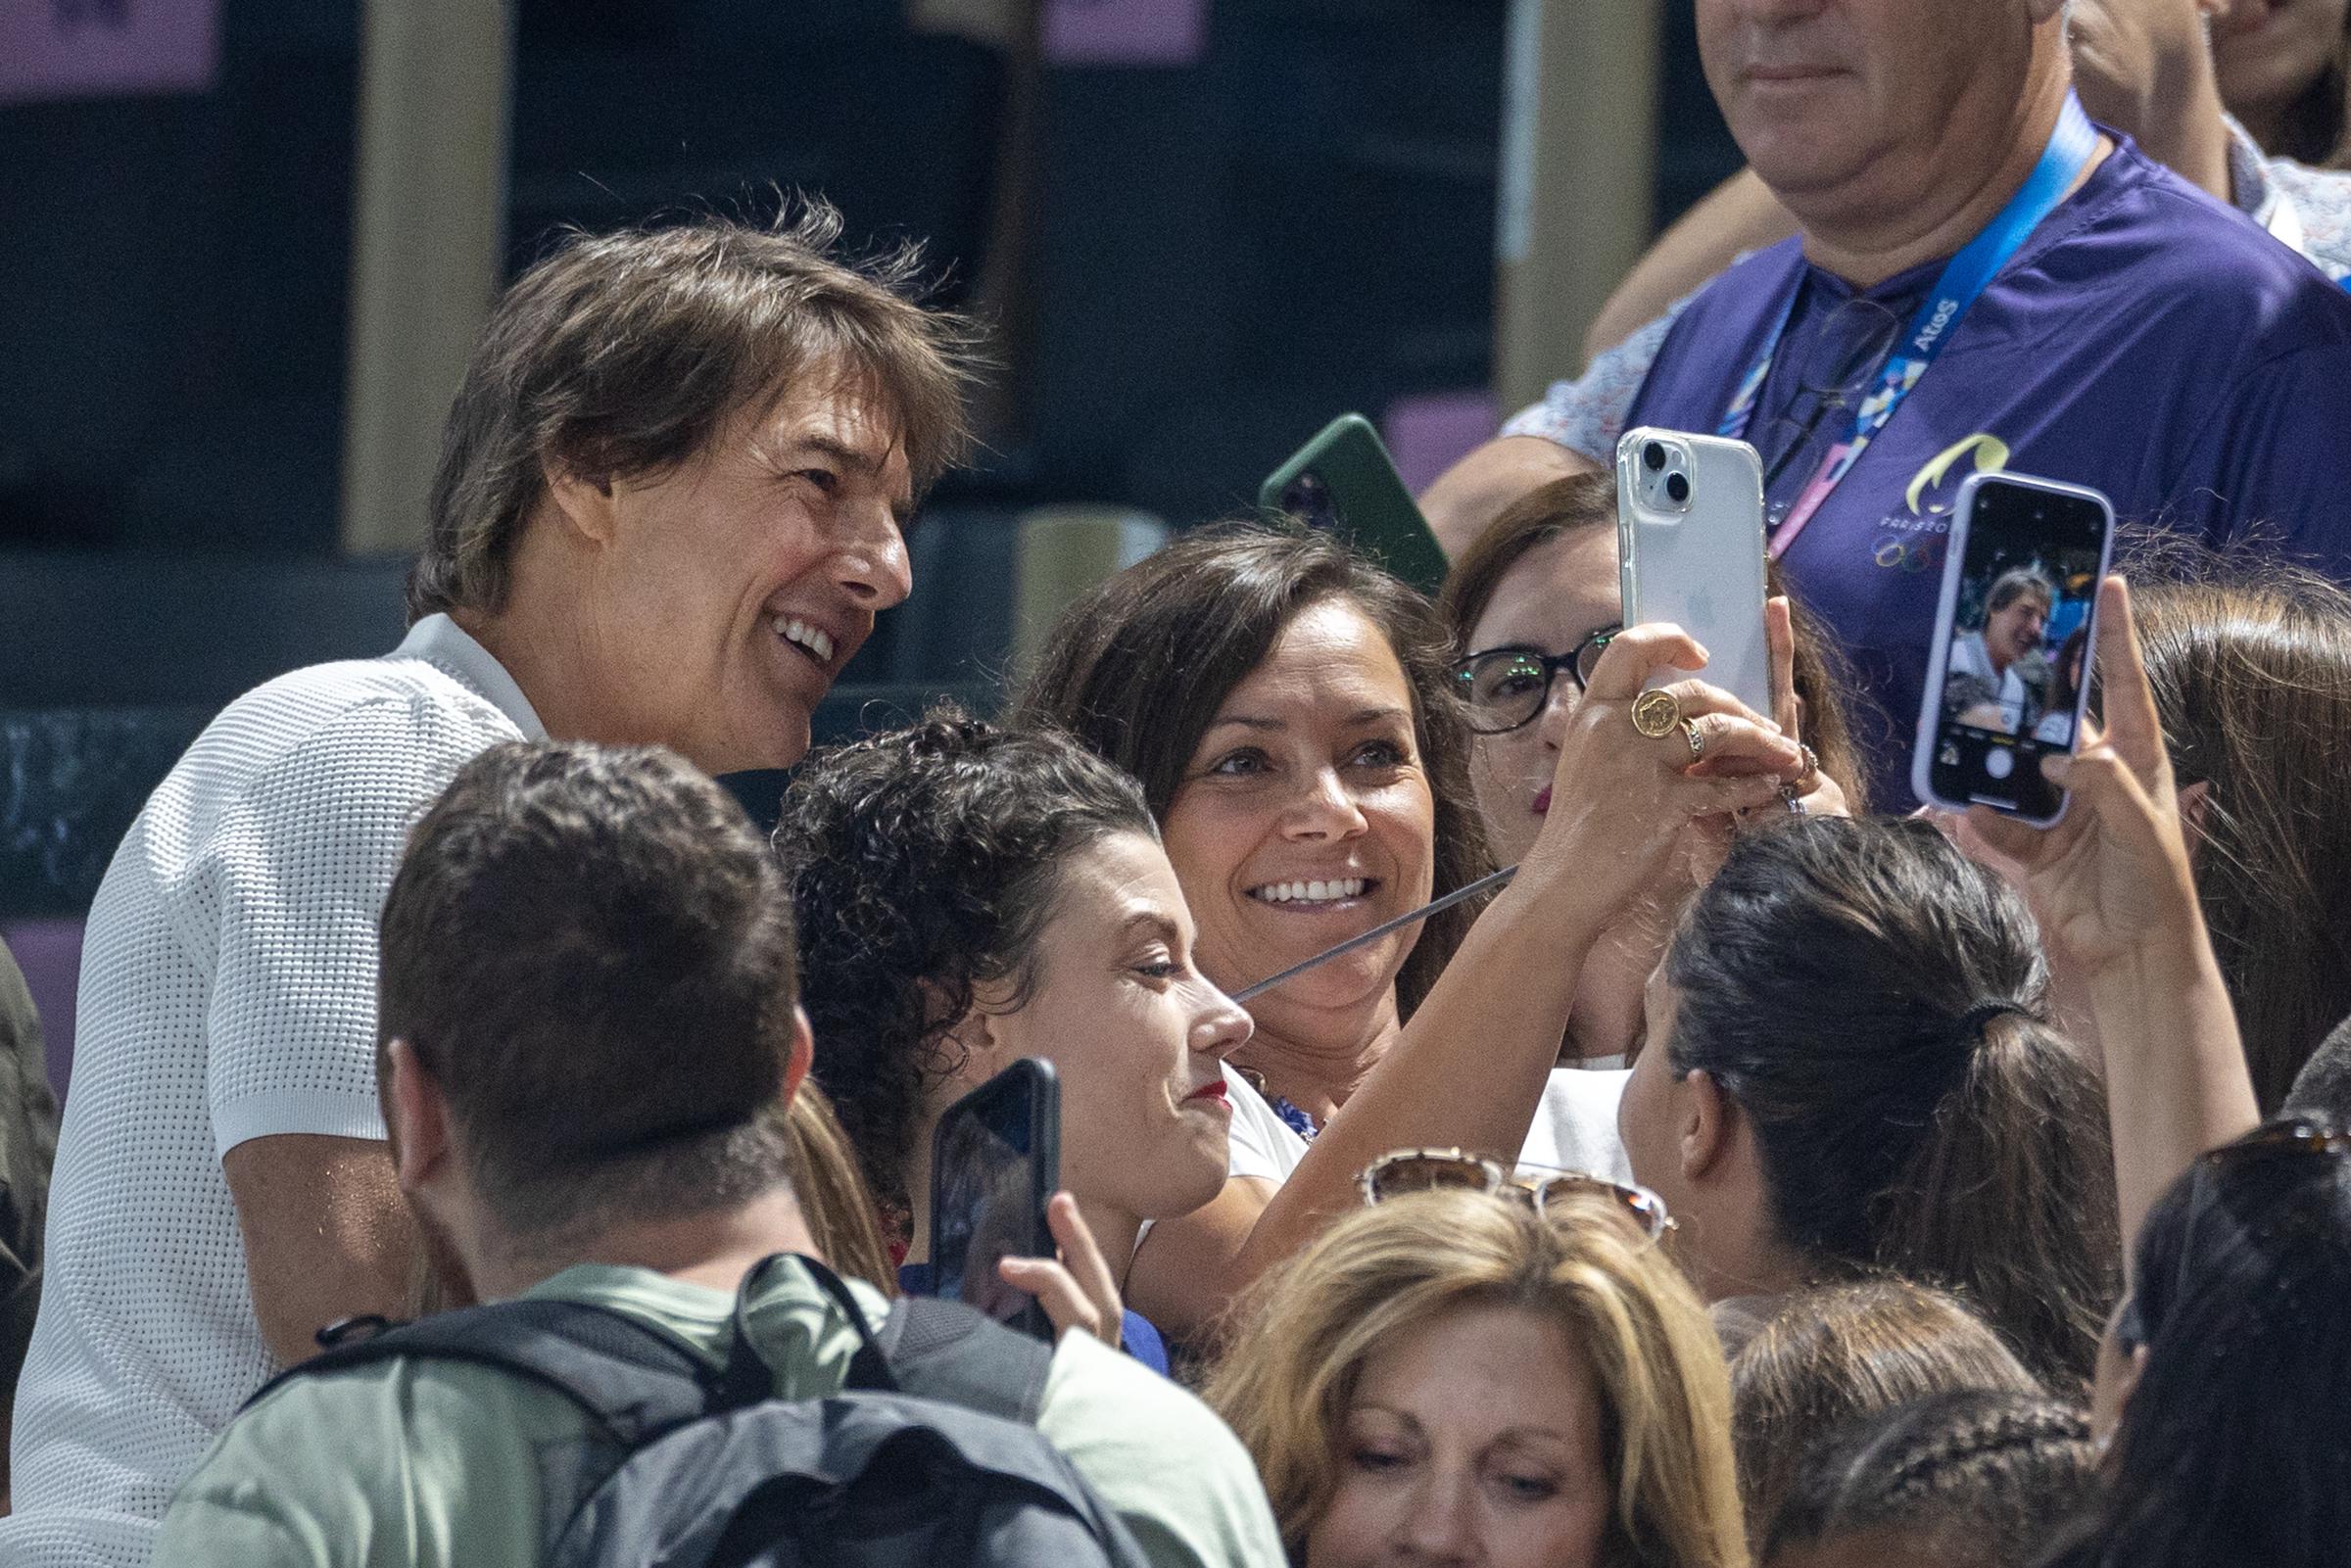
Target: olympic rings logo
<point>1895,554</point>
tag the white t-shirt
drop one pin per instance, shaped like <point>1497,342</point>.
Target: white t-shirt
<point>1574,1128</point>
<point>227,993</point>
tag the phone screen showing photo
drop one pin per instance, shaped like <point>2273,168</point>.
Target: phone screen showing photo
<point>991,1190</point>
<point>2019,656</point>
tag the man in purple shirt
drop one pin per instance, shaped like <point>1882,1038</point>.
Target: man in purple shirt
<point>2132,334</point>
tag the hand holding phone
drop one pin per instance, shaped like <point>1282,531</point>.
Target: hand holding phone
<point>1077,1290</point>
<point>996,1161</point>
<point>1690,552</point>
<point>2009,672</point>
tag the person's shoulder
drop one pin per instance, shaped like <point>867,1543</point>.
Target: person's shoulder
<point>1162,1460</point>
<point>324,715</point>
<point>2152,232</point>
<point>2322,202</point>
<point>421,1461</point>
<point>322,746</point>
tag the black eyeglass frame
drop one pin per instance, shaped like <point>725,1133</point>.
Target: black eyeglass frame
<point>1464,671</point>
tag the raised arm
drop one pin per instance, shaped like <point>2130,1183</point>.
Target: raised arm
<point>1470,1069</point>
<point>2115,898</point>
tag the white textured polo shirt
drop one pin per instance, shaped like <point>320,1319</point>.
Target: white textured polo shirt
<point>227,993</point>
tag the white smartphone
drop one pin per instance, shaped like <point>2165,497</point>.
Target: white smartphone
<point>2009,672</point>
<point>1690,550</point>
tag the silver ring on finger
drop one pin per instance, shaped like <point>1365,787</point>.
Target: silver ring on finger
<point>1697,740</point>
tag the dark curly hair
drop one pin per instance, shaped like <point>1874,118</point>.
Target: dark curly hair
<point>1139,668</point>
<point>923,864</point>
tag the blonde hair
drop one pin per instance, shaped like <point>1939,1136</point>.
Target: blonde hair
<point>1309,1330</point>
<point>834,1202</point>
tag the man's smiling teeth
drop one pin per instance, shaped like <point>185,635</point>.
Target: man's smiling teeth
<point>1310,892</point>
<point>815,639</point>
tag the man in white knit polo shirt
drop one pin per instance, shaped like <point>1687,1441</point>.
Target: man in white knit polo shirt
<point>670,504</point>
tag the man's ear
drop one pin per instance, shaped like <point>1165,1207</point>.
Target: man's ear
<point>584,504</point>
<point>2195,801</point>
<point>801,1052</point>
<point>1704,1134</point>
<point>417,1113</point>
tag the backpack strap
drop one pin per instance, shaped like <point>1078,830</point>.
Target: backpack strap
<point>632,1380</point>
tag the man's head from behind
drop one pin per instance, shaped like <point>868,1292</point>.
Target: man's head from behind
<point>1836,102</point>
<point>587,1006</point>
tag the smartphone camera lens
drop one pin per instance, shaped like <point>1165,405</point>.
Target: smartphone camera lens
<point>1653,456</point>
<point>1677,488</point>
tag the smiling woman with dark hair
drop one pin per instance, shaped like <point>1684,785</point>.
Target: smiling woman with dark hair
<point>968,897</point>
<point>1288,707</point>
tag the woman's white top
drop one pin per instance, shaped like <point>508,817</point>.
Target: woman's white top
<point>227,993</point>
<point>1574,1128</point>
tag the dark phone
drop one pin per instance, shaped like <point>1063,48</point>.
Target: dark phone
<point>995,1161</point>
<point>2006,687</point>
<point>1344,481</point>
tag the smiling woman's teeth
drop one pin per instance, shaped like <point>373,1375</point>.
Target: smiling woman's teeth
<point>792,629</point>
<point>1310,892</point>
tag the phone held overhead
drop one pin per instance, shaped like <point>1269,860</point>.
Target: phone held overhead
<point>2009,670</point>
<point>1690,552</point>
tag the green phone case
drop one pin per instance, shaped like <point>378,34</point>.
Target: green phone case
<point>1353,488</point>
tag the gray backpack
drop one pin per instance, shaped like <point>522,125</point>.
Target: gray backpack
<point>928,1457</point>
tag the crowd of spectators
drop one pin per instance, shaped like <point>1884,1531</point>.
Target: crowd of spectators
<point>485,1147</point>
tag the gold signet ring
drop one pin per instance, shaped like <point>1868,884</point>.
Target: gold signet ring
<point>1656,713</point>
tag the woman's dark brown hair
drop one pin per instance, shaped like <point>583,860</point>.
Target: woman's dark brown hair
<point>1971,1476</point>
<point>2252,678</point>
<point>1588,500</point>
<point>1874,1003</point>
<point>1837,1353</point>
<point>1137,669</point>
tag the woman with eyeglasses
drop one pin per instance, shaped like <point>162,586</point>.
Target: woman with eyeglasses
<point>1288,710</point>
<point>1530,607</point>
<point>1475,1369</point>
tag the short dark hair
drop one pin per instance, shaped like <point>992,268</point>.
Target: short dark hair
<point>1137,668</point>
<point>1836,980</point>
<point>625,354</point>
<point>1972,1475</point>
<point>590,951</point>
<point>2322,1088</point>
<point>923,863</point>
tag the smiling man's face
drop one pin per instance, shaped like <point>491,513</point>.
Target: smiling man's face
<point>734,587</point>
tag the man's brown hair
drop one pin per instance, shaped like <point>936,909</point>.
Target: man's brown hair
<point>589,950</point>
<point>624,355</point>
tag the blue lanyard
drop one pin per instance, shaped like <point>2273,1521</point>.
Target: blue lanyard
<point>1936,321</point>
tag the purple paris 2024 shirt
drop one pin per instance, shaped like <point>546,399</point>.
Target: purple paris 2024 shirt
<point>2146,340</point>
